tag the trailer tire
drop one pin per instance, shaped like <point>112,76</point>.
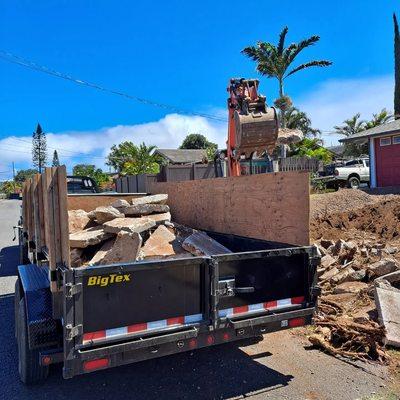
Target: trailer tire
<point>17,299</point>
<point>29,368</point>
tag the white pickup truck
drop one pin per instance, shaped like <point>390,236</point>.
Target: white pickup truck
<point>352,173</point>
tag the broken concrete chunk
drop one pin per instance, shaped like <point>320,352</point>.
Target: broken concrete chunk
<point>200,244</point>
<point>387,300</point>
<point>120,203</point>
<point>391,250</point>
<point>327,261</point>
<point>342,276</point>
<point>154,199</point>
<point>76,258</point>
<point>162,243</point>
<point>144,209</point>
<point>326,243</point>
<point>125,248</point>
<point>382,267</point>
<point>329,274</point>
<point>104,214</point>
<point>358,275</point>
<point>160,218</point>
<point>129,225</point>
<point>350,287</point>
<point>77,220</point>
<point>88,237</point>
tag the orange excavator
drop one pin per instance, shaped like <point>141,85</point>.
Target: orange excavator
<point>252,126</point>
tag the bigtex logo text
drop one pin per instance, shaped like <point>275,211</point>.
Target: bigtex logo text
<point>108,279</point>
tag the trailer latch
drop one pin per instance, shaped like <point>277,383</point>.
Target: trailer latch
<point>227,288</point>
<point>72,290</point>
<point>73,331</point>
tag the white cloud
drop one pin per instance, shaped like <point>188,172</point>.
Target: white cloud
<point>336,100</point>
<point>93,146</point>
<point>327,105</point>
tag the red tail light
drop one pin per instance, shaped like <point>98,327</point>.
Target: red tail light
<point>294,322</point>
<point>210,340</point>
<point>96,364</point>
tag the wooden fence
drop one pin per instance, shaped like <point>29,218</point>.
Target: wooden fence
<point>176,173</point>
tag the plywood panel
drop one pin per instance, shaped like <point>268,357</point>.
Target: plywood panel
<point>273,206</point>
<point>91,201</point>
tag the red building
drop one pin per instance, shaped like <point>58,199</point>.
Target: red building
<point>384,153</point>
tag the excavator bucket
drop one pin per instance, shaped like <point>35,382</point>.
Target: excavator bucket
<point>256,130</point>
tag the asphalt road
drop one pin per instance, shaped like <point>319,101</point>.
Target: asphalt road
<point>282,366</point>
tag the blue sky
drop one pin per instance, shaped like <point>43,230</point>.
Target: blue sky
<point>180,53</point>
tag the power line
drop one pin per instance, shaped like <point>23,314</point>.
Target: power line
<point>12,58</point>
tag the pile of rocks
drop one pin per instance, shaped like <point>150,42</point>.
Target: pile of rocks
<point>347,320</point>
<point>127,232</point>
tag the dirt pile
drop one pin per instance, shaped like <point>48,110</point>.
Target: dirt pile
<point>359,238</point>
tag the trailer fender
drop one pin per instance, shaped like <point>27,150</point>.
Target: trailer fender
<point>42,328</point>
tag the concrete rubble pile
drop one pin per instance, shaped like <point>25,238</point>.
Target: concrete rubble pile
<point>354,315</point>
<point>125,232</point>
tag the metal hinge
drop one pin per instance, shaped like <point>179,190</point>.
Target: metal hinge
<point>72,290</point>
<point>73,331</point>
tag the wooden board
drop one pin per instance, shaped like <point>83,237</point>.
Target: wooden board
<point>89,202</point>
<point>273,206</point>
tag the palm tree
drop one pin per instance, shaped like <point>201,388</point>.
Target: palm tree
<point>296,119</point>
<point>351,126</point>
<point>127,158</point>
<point>274,61</point>
<point>378,119</point>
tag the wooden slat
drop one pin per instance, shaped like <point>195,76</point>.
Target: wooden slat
<point>56,216</point>
<point>24,208</point>
<point>272,206</point>
<point>42,239</point>
<point>63,214</point>
<point>48,216</point>
<point>29,205</point>
<point>36,211</point>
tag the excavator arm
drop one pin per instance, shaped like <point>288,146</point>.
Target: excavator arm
<point>252,126</point>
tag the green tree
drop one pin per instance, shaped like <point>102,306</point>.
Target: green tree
<point>296,119</point>
<point>396,68</point>
<point>39,148</point>
<point>379,118</point>
<point>8,187</point>
<point>24,174</point>
<point>274,61</point>
<point>312,148</point>
<point>350,127</point>
<point>92,172</point>
<point>56,161</point>
<point>197,141</point>
<point>129,159</point>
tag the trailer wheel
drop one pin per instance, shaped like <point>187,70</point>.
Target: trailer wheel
<point>17,299</point>
<point>353,182</point>
<point>30,371</point>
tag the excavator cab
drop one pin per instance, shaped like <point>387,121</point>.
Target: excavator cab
<point>253,127</point>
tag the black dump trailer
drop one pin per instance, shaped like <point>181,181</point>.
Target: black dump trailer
<point>98,317</point>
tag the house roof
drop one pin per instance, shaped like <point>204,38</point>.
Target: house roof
<point>183,156</point>
<point>380,130</point>
<point>337,150</point>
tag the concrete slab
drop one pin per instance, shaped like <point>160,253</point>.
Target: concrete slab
<point>387,299</point>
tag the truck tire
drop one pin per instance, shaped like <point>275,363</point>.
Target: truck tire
<point>17,299</point>
<point>30,371</point>
<point>353,182</point>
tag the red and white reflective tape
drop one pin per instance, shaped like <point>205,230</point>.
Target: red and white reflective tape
<point>268,306</point>
<point>143,327</point>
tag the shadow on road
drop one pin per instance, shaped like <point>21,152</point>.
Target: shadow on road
<point>215,373</point>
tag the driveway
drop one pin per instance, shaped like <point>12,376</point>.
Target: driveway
<point>282,366</point>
